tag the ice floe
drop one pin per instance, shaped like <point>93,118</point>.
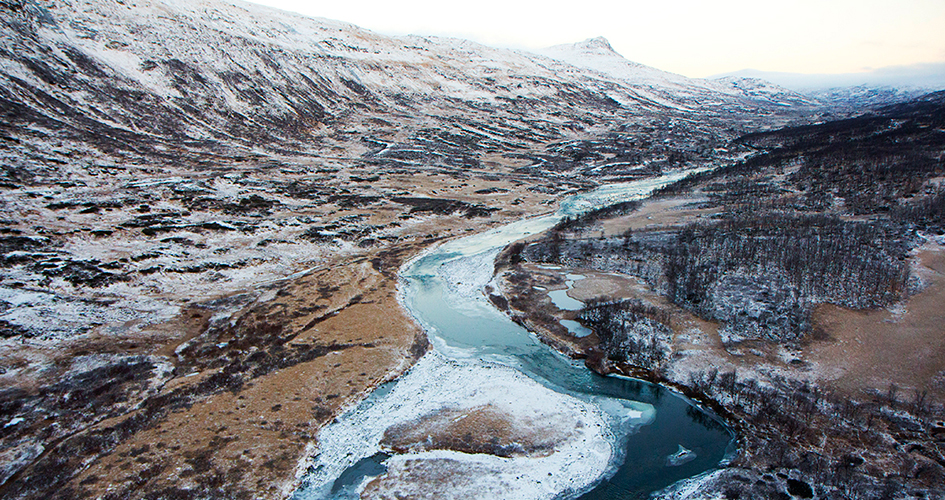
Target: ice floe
<point>434,383</point>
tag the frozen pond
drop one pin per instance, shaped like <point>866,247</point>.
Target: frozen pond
<point>564,302</point>
<point>576,329</point>
<point>561,298</point>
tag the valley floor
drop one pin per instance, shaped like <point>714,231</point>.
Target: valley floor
<point>861,396</point>
<point>225,396</point>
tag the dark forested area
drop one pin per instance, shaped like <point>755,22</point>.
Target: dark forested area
<point>630,331</point>
<point>891,161</point>
<point>829,213</point>
<point>821,214</point>
<point>757,275</point>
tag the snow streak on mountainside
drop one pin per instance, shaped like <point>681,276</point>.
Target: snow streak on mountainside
<point>211,75</point>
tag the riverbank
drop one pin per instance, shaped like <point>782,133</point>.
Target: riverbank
<point>834,403</point>
<point>485,372</point>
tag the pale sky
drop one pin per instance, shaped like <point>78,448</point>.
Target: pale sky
<point>694,38</point>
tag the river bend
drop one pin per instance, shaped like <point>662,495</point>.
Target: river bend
<point>612,437</point>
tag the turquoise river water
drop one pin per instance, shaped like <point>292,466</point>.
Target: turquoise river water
<point>650,437</point>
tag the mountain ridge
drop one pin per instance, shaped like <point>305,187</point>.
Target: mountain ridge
<point>252,66</point>
<point>597,54</point>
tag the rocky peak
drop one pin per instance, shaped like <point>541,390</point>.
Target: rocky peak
<point>598,43</point>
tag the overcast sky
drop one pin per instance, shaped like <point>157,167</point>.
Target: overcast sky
<point>694,38</point>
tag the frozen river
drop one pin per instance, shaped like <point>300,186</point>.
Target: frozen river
<point>612,437</point>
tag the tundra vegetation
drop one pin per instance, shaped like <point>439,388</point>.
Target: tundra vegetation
<point>833,214</point>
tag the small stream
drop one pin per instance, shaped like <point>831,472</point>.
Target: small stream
<point>629,438</point>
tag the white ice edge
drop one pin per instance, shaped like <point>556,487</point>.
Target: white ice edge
<point>437,383</point>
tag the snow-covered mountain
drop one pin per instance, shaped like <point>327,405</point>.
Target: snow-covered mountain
<point>215,75</point>
<point>669,88</point>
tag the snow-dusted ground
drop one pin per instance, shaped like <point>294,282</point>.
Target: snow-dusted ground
<point>60,316</point>
<point>702,487</point>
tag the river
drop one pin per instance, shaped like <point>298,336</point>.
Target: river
<point>613,437</point>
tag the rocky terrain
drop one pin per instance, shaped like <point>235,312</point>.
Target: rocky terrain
<point>145,167</point>
<point>205,206</point>
<point>792,291</point>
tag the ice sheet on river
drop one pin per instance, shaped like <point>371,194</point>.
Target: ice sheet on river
<point>436,383</point>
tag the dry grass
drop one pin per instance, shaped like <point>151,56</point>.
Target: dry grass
<point>660,212</point>
<point>851,350</point>
<point>254,438</point>
<point>873,349</point>
<point>482,429</point>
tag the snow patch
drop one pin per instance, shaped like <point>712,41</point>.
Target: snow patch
<point>702,487</point>
<point>13,421</point>
<point>469,275</point>
<point>50,315</point>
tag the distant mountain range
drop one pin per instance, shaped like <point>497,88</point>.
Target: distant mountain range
<point>875,87</point>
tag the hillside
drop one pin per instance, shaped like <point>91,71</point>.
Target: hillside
<point>234,78</point>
